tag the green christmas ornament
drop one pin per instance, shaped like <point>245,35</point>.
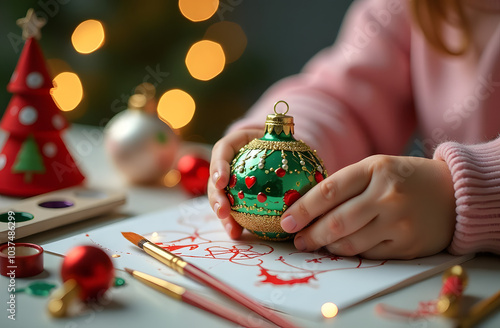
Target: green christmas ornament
<point>269,174</point>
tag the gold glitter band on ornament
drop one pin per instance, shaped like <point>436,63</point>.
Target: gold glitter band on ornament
<point>278,145</point>
<point>264,223</point>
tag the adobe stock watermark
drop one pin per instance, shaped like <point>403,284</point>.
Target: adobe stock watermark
<point>155,76</point>
<point>363,35</point>
<point>48,9</point>
<point>453,117</point>
<point>227,6</point>
<point>11,257</point>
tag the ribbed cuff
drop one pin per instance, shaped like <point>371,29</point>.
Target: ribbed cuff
<point>476,178</point>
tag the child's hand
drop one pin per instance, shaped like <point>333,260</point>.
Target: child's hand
<point>222,155</point>
<point>383,207</point>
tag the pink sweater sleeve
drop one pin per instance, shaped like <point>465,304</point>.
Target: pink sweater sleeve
<point>476,177</point>
<point>353,99</point>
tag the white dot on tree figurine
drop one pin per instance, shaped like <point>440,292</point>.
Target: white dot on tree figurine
<point>28,115</point>
<point>58,122</point>
<point>49,149</point>
<point>34,80</point>
<point>3,161</point>
<point>13,77</point>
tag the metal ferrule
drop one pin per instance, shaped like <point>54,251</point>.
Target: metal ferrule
<point>172,261</point>
<point>161,285</point>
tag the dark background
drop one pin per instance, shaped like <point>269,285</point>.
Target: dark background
<point>145,35</point>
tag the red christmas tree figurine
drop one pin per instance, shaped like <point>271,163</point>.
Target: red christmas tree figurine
<point>34,159</point>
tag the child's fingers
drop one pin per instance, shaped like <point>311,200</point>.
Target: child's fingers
<point>329,193</point>
<point>219,202</point>
<point>342,221</point>
<point>223,153</point>
<point>362,241</point>
<point>232,228</point>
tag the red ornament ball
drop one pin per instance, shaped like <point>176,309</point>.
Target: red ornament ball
<point>195,172</point>
<point>92,270</point>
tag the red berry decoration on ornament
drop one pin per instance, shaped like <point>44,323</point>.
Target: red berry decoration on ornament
<point>232,181</point>
<point>290,197</point>
<point>269,174</point>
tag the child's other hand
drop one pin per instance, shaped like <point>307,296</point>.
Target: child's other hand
<point>383,207</point>
<point>223,153</point>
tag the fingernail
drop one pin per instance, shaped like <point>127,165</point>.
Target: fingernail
<point>216,177</point>
<point>217,209</point>
<point>288,224</point>
<point>299,243</point>
<point>228,228</point>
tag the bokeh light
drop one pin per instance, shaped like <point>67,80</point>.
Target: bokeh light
<point>56,66</point>
<point>67,92</point>
<point>198,10</point>
<point>176,108</point>
<point>172,178</point>
<point>329,310</point>
<point>230,36</point>
<point>88,36</point>
<point>205,60</point>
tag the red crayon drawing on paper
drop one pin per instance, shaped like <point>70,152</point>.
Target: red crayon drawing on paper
<point>293,268</point>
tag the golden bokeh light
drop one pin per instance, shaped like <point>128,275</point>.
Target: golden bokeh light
<point>205,60</point>
<point>88,36</point>
<point>176,108</point>
<point>172,178</point>
<point>67,92</point>
<point>198,10</point>
<point>230,36</point>
<point>329,310</point>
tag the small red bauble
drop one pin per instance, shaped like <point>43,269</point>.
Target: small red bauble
<point>195,172</point>
<point>241,195</point>
<point>92,270</point>
<point>261,197</point>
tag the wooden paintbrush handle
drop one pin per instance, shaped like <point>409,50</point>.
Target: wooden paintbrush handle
<point>221,311</point>
<point>206,279</point>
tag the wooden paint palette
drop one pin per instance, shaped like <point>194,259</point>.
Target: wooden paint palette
<point>54,209</point>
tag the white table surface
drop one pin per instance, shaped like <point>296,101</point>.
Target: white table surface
<point>135,305</point>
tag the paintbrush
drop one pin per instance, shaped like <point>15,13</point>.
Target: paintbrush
<point>479,311</point>
<point>191,271</point>
<point>186,296</point>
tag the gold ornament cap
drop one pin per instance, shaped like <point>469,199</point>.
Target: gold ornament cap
<point>280,122</point>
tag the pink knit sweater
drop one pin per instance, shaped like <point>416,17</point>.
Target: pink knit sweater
<point>382,82</point>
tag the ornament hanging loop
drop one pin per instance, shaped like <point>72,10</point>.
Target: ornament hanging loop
<point>287,107</point>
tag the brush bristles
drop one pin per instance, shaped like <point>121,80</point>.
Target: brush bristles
<point>133,238</point>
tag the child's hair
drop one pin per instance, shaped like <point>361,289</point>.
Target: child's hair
<point>432,16</point>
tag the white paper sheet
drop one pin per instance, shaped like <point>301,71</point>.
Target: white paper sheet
<point>275,273</point>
